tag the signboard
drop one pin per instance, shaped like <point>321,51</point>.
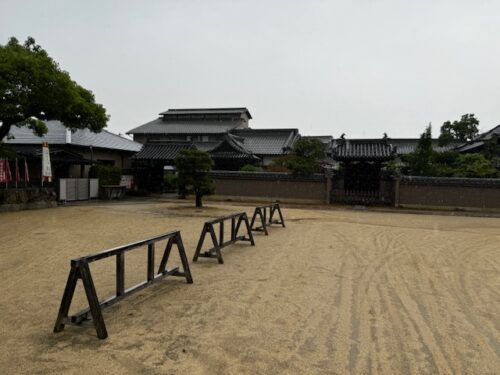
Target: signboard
<point>46,169</point>
<point>127,181</point>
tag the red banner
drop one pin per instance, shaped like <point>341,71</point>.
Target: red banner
<point>7,171</point>
<point>18,175</point>
<point>3,172</point>
<point>26,172</point>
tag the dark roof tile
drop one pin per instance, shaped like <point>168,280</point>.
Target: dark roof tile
<point>162,150</point>
<point>268,141</point>
<point>363,151</point>
<point>160,126</point>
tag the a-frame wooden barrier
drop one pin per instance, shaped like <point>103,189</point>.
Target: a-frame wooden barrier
<point>265,221</point>
<point>80,270</point>
<point>218,244</point>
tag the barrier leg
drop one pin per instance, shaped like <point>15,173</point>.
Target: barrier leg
<point>166,255</point>
<point>184,260</point>
<point>216,245</point>
<point>249,230</point>
<point>69,291</point>
<point>200,243</point>
<point>95,308</point>
<point>281,216</point>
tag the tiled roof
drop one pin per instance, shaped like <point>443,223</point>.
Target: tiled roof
<point>159,126</point>
<point>162,150</point>
<point>206,146</point>
<point>404,146</point>
<point>58,134</point>
<point>479,141</point>
<point>203,111</point>
<point>57,154</point>
<point>326,139</point>
<point>350,150</point>
<point>231,148</point>
<point>267,141</point>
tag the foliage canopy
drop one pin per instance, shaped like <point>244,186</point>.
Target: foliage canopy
<point>464,130</point>
<point>304,160</point>
<point>427,162</point>
<point>33,88</point>
<point>193,167</point>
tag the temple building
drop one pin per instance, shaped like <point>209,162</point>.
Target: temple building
<point>222,132</point>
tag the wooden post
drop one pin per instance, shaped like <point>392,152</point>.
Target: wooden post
<point>151,261</point>
<point>397,183</point>
<point>233,227</point>
<point>120,274</point>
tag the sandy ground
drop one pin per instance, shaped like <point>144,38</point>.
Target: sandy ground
<point>335,292</point>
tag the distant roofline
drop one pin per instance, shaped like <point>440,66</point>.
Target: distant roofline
<point>266,130</point>
<point>175,111</point>
<point>388,139</point>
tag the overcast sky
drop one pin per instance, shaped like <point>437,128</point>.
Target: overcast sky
<point>325,67</point>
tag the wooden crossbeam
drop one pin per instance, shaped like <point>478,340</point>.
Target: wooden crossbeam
<point>80,270</point>
<point>266,220</point>
<point>219,243</point>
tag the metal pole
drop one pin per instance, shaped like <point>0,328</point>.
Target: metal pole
<point>91,164</point>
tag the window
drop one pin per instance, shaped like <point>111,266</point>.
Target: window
<point>204,138</point>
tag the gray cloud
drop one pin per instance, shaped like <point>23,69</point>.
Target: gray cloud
<point>326,67</point>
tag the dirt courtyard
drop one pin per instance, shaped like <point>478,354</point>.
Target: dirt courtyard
<point>335,292</point>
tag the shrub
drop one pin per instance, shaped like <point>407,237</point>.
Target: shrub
<point>248,168</point>
<point>107,174</point>
<point>170,181</point>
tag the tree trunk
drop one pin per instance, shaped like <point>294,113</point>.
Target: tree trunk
<point>198,200</point>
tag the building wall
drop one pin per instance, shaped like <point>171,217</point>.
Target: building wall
<point>118,158</point>
<point>269,186</point>
<point>425,192</point>
<point>449,192</point>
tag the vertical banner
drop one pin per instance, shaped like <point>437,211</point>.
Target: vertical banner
<point>26,174</point>
<point>46,169</point>
<point>8,173</point>
<point>18,175</point>
<point>3,171</point>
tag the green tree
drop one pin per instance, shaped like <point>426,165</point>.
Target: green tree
<point>464,130</point>
<point>279,164</point>
<point>306,157</point>
<point>33,88</point>
<point>420,162</point>
<point>474,165</point>
<point>107,174</point>
<point>193,167</point>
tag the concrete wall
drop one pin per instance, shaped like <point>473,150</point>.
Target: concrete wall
<point>449,192</point>
<point>425,192</point>
<point>270,186</point>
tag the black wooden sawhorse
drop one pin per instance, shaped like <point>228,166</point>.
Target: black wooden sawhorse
<point>261,212</point>
<point>208,228</point>
<point>80,270</point>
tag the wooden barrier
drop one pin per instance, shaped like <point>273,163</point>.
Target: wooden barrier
<point>261,212</point>
<point>80,270</point>
<point>208,228</point>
